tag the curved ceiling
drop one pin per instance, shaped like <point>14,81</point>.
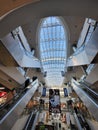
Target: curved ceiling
<point>29,15</point>
<point>46,8</point>
<point>9,5</point>
<point>53,49</point>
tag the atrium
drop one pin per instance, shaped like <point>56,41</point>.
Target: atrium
<point>48,65</point>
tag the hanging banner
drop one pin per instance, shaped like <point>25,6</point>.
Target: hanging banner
<point>54,101</point>
<point>44,92</point>
<point>65,92</point>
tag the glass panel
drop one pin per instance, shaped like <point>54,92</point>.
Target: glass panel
<point>53,50</point>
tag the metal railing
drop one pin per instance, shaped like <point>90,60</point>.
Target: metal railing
<point>94,94</point>
<point>87,99</point>
<point>11,115</point>
<point>9,104</point>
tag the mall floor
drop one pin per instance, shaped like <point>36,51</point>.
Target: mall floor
<point>20,123</point>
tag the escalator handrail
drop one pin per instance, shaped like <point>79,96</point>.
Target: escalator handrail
<point>28,121</point>
<point>10,104</point>
<point>12,99</point>
<point>93,92</point>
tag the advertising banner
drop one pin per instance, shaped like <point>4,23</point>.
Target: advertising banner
<point>65,92</point>
<point>54,101</point>
<point>44,92</point>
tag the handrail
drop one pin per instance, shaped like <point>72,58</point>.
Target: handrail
<point>11,103</point>
<point>93,92</point>
<point>26,127</point>
<point>34,124</point>
<point>28,121</point>
<point>87,99</point>
<point>90,93</point>
<point>31,122</point>
<point>7,121</point>
<point>77,122</point>
<point>13,99</point>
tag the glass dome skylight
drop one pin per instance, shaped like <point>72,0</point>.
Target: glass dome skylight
<point>52,41</point>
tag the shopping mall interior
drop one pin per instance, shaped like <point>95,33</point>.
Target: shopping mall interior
<point>48,65</point>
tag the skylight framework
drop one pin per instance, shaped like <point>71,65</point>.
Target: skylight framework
<point>53,52</point>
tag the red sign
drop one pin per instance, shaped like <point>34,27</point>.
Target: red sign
<point>2,94</point>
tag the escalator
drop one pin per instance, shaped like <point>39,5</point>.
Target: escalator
<point>89,98</point>
<point>83,123</point>
<point>77,58</point>
<point>15,47</point>
<point>30,122</point>
<point>90,92</point>
<point>10,116</point>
